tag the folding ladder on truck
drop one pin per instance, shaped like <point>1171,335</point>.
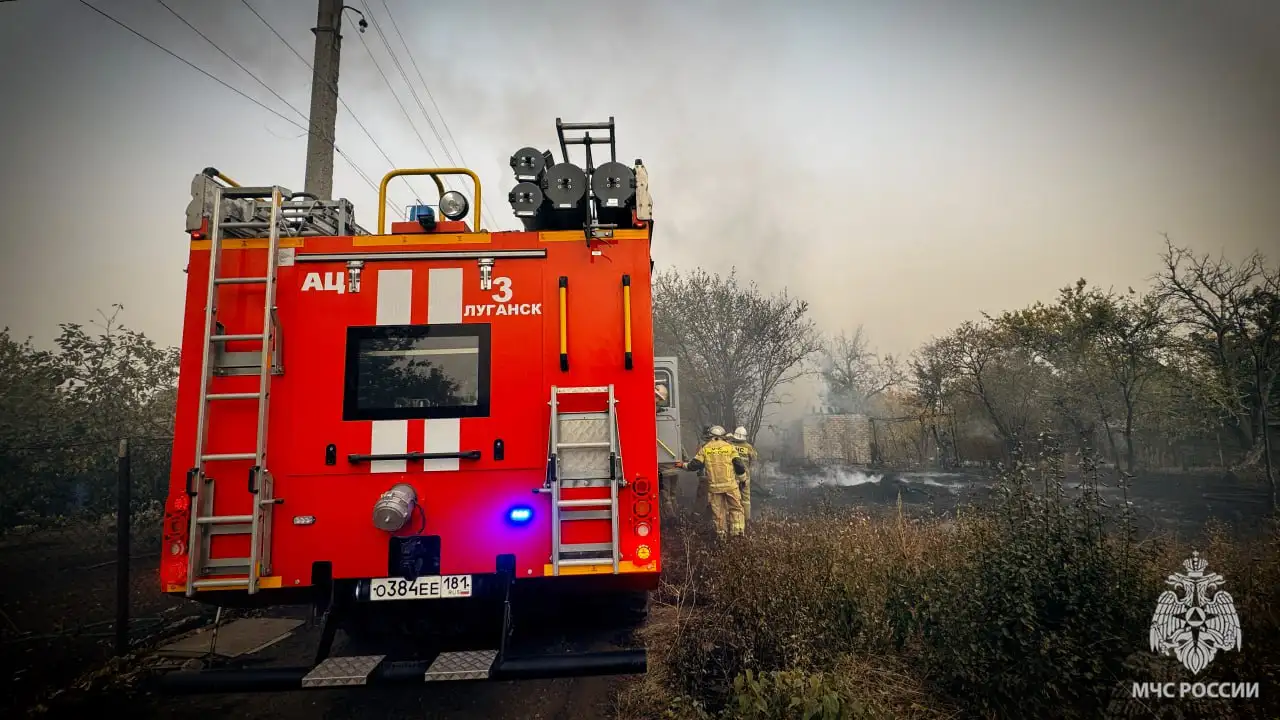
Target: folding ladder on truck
<point>584,453</point>
<point>204,571</point>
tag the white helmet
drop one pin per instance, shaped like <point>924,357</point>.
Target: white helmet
<point>660,393</point>
<point>716,431</point>
<point>740,434</point>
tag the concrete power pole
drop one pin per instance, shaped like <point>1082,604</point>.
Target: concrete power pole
<point>324,99</point>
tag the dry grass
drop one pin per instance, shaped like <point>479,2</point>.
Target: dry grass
<point>1026,611</point>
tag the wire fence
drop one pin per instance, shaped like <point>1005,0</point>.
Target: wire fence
<point>79,550</point>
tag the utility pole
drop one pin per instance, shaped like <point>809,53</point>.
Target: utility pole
<point>324,99</point>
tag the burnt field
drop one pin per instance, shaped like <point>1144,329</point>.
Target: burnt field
<point>1162,502</point>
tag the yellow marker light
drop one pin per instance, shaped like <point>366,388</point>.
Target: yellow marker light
<point>643,552</point>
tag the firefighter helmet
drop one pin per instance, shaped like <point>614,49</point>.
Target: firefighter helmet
<point>740,434</point>
<point>716,431</point>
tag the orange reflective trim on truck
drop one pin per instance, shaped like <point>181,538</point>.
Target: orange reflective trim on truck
<point>247,244</point>
<point>422,239</point>
<point>625,566</point>
<point>549,236</point>
<point>273,582</point>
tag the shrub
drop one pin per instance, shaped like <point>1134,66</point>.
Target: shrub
<point>1036,607</point>
<point>1040,616</point>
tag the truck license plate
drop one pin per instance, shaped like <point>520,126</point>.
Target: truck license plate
<point>424,588</point>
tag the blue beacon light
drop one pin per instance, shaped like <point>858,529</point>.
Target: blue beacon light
<point>519,515</point>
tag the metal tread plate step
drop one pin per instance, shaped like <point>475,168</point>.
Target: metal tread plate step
<point>342,671</point>
<point>462,665</point>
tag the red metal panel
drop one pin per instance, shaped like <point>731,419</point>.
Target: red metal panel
<point>468,507</point>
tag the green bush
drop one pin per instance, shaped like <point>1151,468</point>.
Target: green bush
<point>1041,617</point>
<point>1035,607</point>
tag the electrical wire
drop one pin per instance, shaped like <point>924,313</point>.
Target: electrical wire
<point>396,97</point>
<point>323,136</point>
<point>247,71</point>
<point>395,26</point>
<point>331,86</point>
<point>227,85</point>
<point>195,67</point>
<point>404,76</point>
<point>386,45</point>
<point>421,78</point>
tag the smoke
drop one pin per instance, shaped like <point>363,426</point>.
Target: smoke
<point>843,150</point>
<point>951,482</point>
<point>839,477</point>
<point>827,477</point>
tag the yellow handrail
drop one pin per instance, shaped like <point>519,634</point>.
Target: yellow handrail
<point>626,321</point>
<point>435,174</point>
<point>564,323</point>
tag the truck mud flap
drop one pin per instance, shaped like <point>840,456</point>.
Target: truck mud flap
<point>376,670</point>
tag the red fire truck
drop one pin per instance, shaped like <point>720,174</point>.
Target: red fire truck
<point>426,423</point>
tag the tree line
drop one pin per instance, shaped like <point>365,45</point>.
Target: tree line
<point>1181,373</point>
<point>64,410</point>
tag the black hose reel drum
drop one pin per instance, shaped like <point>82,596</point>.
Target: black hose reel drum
<point>525,199</point>
<point>528,164</point>
<point>614,184</point>
<point>565,185</point>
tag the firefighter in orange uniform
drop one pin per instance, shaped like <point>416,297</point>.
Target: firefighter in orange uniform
<point>723,467</point>
<point>749,456</point>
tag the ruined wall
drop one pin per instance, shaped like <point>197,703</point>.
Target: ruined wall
<point>844,439</point>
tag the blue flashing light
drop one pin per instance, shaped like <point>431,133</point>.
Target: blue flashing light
<point>519,515</point>
<point>419,212</point>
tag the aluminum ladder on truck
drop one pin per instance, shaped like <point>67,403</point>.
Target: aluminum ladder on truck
<point>203,571</point>
<point>585,453</point>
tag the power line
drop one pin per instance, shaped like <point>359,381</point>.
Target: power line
<point>396,97</point>
<point>195,67</point>
<point>377,27</point>
<point>237,62</point>
<point>327,138</point>
<point>346,107</point>
<point>408,51</point>
<point>227,85</point>
<point>422,79</point>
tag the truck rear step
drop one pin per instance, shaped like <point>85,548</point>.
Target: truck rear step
<point>377,671</point>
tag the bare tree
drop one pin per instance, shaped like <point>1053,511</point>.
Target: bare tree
<point>1231,314</point>
<point>736,346</point>
<point>928,384</point>
<point>854,374</point>
<point>986,364</point>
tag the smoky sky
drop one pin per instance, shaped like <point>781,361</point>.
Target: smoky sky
<point>901,165</point>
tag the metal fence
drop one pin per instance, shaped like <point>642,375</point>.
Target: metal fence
<point>78,563</point>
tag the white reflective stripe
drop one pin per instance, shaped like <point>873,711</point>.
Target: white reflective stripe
<point>395,297</point>
<point>390,437</point>
<point>395,300</point>
<point>442,435</point>
<point>444,306</point>
<point>444,296</point>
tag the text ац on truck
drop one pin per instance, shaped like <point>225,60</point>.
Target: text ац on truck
<point>427,429</point>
